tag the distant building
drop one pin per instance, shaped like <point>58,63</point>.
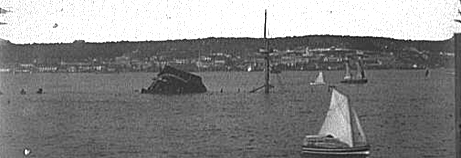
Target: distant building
<point>75,66</point>
<point>5,70</point>
<point>332,59</point>
<point>307,52</point>
<point>46,68</point>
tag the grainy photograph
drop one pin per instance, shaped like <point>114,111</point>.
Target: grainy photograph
<point>228,78</point>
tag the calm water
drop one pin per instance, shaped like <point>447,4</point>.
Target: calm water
<point>403,114</point>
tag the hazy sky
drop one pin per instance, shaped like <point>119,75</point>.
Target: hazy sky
<point>51,21</point>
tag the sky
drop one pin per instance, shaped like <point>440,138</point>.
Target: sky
<point>63,21</point>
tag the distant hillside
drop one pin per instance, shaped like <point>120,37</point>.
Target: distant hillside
<point>81,50</point>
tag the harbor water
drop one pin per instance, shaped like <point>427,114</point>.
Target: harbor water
<point>403,114</point>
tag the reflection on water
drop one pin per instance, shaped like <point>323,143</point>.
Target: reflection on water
<point>403,114</point>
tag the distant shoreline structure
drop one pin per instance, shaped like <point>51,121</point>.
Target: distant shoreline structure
<point>4,71</point>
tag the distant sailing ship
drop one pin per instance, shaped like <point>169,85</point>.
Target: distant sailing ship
<point>358,79</point>
<point>341,134</point>
<point>319,80</point>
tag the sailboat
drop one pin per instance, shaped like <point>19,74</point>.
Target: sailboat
<point>341,134</point>
<point>358,79</point>
<point>319,79</point>
<point>249,69</point>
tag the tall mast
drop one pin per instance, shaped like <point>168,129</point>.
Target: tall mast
<point>198,60</point>
<point>266,53</point>
<point>266,90</point>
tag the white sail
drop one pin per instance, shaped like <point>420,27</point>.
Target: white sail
<point>319,80</point>
<point>359,71</point>
<point>338,120</point>
<point>348,73</point>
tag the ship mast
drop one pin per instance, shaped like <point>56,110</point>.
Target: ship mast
<point>267,86</point>
<point>266,53</point>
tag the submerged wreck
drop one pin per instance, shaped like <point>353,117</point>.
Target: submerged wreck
<point>173,81</point>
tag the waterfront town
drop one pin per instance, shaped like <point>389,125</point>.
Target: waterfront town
<point>295,60</point>
<point>222,54</point>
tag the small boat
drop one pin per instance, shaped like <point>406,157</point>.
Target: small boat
<point>22,92</point>
<point>173,81</point>
<point>40,91</point>
<point>427,72</point>
<point>358,79</point>
<point>250,68</point>
<point>26,152</point>
<point>341,134</point>
<point>319,80</point>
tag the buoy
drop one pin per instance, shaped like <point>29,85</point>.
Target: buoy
<point>221,90</point>
<point>40,91</point>
<point>22,91</point>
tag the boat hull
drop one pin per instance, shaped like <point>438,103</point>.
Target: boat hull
<point>355,81</point>
<point>315,83</point>
<point>354,152</point>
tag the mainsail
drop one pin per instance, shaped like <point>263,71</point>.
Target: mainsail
<point>359,70</point>
<point>348,72</point>
<point>338,121</point>
<point>319,79</point>
<point>342,122</point>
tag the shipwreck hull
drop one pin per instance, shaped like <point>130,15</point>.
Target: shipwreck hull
<point>174,81</point>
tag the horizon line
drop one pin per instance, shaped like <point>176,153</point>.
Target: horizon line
<point>166,40</point>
